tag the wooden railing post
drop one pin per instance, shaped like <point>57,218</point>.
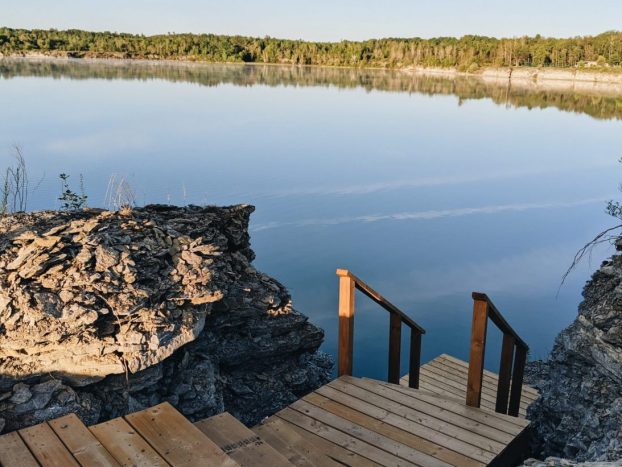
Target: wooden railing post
<point>415,359</point>
<point>505,373</point>
<point>395,342</point>
<point>517,380</point>
<point>476,356</point>
<point>346,322</point>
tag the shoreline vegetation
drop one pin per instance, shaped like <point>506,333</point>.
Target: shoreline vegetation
<point>469,54</point>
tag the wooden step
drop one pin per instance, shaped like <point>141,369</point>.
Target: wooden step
<point>171,435</point>
<point>158,436</point>
<point>350,421</point>
<point>240,443</point>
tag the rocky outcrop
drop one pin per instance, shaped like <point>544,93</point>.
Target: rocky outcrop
<point>558,462</point>
<point>579,413</point>
<point>103,313</point>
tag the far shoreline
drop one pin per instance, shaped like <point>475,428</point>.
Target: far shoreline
<point>561,79</point>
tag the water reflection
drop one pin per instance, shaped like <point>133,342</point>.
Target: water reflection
<point>598,101</point>
<point>425,187</point>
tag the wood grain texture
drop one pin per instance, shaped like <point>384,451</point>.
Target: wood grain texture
<point>46,447</point>
<point>14,452</point>
<point>175,439</point>
<point>240,443</point>
<point>82,444</point>
<point>127,447</point>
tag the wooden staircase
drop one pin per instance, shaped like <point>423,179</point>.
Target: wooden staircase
<point>350,421</point>
<point>444,413</point>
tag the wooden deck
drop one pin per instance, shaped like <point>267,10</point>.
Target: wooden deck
<point>350,421</point>
<point>447,376</point>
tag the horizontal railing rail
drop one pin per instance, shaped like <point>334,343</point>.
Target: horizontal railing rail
<point>348,284</point>
<point>513,358</point>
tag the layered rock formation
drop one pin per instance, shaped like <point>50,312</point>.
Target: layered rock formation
<point>579,414</point>
<point>103,313</point>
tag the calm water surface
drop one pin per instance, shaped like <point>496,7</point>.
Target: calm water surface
<point>427,188</point>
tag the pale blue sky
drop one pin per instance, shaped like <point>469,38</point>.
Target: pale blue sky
<point>321,19</point>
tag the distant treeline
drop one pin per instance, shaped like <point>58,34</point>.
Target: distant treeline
<point>594,103</point>
<point>467,53</point>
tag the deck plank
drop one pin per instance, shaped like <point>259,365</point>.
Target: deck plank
<point>428,454</point>
<point>492,377</point>
<point>46,447</point>
<point>306,449</point>
<point>82,444</point>
<point>446,414</point>
<point>456,379</point>
<point>13,451</point>
<point>175,439</point>
<point>400,416</point>
<point>420,438</point>
<point>127,447</point>
<point>367,434</point>
<point>240,443</point>
<point>399,404</point>
<point>492,419</point>
<point>341,438</point>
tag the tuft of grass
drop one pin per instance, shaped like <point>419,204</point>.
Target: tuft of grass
<point>120,195</point>
<point>15,185</point>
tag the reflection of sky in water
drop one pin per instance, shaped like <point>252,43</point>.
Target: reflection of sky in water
<point>423,198</point>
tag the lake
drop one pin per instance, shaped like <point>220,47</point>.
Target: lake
<point>427,188</point>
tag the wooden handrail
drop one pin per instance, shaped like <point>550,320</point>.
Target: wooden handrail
<point>380,300</point>
<point>348,283</point>
<point>497,318</point>
<point>513,358</point>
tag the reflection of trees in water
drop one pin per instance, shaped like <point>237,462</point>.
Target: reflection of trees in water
<point>597,105</point>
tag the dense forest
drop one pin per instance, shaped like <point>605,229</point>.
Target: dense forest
<point>467,53</point>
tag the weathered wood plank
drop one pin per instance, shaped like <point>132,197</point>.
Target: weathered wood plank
<point>507,424</point>
<point>366,434</point>
<point>14,452</point>
<point>46,447</point>
<point>124,444</point>
<point>87,450</point>
<point>238,442</point>
<point>422,439</point>
<point>428,455</point>
<point>340,438</point>
<point>475,434</point>
<point>306,449</point>
<point>407,419</point>
<point>175,439</point>
<point>493,376</point>
<point>445,414</point>
<point>490,383</point>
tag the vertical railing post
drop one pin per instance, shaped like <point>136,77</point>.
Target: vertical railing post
<point>395,343</point>
<point>476,356</point>
<point>415,359</point>
<point>346,322</point>
<point>516,390</point>
<point>505,373</point>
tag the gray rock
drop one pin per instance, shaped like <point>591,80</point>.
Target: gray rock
<point>125,311</point>
<point>21,393</point>
<point>559,462</point>
<point>579,413</point>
